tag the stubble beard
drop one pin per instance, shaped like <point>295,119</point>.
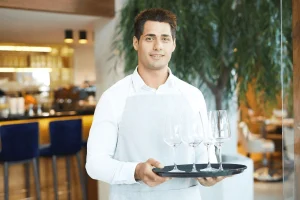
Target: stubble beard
<point>157,67</point>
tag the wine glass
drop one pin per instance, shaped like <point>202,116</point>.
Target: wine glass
<point>208,140</point>
<point>220,130</point>
<point>172,138</point>
<point>191,135</point>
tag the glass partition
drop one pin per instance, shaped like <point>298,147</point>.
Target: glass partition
<point>288,131</point>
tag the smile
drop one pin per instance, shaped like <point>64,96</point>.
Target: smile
<point>156,56</point>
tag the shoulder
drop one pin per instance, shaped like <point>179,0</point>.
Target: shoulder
<point>119,89</point>
<point>113,99</point>
<point>188,89</point>
<point>192,94</point>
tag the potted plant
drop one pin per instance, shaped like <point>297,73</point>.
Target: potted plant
<point>222,45</point>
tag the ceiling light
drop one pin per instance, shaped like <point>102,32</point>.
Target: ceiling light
<point>68,36</point>
<point>82,37</point>
<point>25,48</point>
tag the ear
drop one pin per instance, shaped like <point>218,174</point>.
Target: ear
<point>135,43</point>
<point>174,45</point>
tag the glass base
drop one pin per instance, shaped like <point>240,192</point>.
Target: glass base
<point>194,170</point>
<point>209,169</point>
<point>177,170</point>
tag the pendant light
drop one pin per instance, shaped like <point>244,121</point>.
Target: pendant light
<point>82,37</point>
<point>68,36</point>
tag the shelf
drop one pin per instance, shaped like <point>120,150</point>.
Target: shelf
<point>24,69</point>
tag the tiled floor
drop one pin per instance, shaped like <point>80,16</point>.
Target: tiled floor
<point>268,191</point>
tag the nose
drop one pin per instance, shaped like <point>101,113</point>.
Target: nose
<point>157,45</point>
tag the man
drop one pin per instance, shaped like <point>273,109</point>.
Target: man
<point>126,137</point>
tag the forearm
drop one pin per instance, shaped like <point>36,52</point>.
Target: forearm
<point>111,171</point>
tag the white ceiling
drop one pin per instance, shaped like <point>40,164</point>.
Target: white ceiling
<point>33,27</point>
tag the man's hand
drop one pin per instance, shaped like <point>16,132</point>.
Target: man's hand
<point>143,172</point>
<point>210,181</point>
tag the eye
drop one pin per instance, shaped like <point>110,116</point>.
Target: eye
<point>165,39</point>
<point>149,39</point>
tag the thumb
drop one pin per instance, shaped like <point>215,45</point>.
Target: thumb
<point>155,163</point>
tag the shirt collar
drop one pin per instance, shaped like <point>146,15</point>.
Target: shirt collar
<point>139,83</point>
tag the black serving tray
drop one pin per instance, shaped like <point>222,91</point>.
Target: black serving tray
<point>229,170</point>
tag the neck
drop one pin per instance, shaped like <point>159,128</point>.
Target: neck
<point>153,78</point>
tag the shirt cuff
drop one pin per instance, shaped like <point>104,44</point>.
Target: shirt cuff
<point>132,167</point>
<point>126,175</point>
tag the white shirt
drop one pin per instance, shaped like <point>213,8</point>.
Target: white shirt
<point>103,134</point>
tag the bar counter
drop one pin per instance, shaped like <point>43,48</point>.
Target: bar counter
<point>48,115</point>
<point>17,189</point>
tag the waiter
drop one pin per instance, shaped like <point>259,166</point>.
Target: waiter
<point>126,137</point>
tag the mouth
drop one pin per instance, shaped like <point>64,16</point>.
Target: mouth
<point>156,56</point>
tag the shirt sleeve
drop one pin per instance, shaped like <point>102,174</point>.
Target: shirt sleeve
<point>101,145</point>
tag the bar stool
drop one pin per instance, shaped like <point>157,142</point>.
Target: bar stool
<point>20,145</point>
<point>84,146</point>
<point>66,141</point>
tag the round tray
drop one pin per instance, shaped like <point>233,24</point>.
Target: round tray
<point>229,169</point>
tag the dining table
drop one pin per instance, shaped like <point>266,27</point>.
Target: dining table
<point>271,128</point>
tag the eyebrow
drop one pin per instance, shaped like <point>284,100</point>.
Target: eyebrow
<point>153,35</point>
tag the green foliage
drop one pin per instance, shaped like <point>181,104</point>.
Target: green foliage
<point>223,44</point>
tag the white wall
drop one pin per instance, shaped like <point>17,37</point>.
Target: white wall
<point>105,76</point>
<point>84,64</point>
<point>104,36</point>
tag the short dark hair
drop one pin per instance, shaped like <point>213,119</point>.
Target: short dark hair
<point>154,14</point>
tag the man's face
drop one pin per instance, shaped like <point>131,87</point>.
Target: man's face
<point>155,46</point>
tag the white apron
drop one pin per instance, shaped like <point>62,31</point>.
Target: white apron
<point>140,137</point>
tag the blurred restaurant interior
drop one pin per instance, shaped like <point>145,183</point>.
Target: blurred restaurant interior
<point>56,60</point>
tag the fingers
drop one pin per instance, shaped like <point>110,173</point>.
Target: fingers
<point>152,179</point>
<point>151,176</point>
<point>220,178</point>
<point>210,181</point>
<point>148,176</point>
<point>155,163</point>
<point>155,180</point>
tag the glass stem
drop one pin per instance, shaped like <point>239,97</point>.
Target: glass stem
<point>220,156</point>
<point>174,158</point>
<point>208,156</point>
<point>194,164</point>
